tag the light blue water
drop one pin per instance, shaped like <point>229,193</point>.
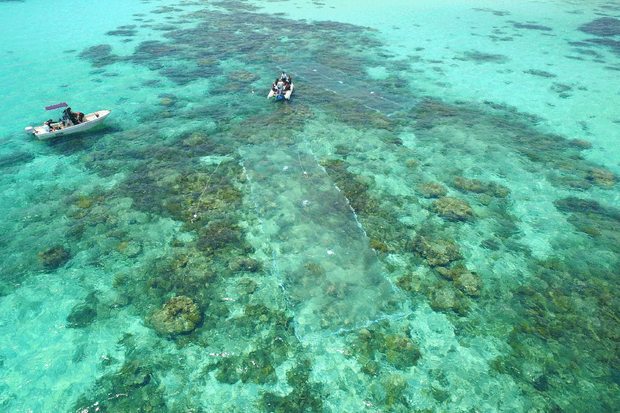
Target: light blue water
<point>453,248</point>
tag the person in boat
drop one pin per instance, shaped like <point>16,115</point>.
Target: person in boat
<point>79,117</point>
<point>66,117</point>
<point>287,85</point>
<point>72,117</point>
<point>285,78</point>
<point>278,87</point>
<point>48,126</point>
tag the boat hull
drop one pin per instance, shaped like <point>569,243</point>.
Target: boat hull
<point>287,94</point>
<point>90,121</point>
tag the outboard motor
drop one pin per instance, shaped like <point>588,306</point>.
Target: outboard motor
<point>30,130</point>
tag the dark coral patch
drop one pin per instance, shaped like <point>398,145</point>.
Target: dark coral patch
<point>614,45</point>
<point>530,26</point>
<point>121,33</point>
<point>54,257</point>
<point>586,206</point>
<point>480,57</point>
<point>604,27</point>
<point>82,315</point>
<point>100,55</point>
<point>540,73</point>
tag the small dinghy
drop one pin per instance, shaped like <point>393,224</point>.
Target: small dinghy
<point>282,88</point>
<point>71,122</point>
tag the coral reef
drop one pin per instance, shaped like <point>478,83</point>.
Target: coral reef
<point>579,143</point>
<point>601,177</point>
<point>453,209</point>
<point>213,261</point>
<point>395,386</point>
<point>100,55</point>
<point>432,190</point>
<point>486,187</point>
<point>83,314</point>
<point>372,346</point>
<point>437,252</point>
<point>352,186</point>
<point>243,76</point>
<point>583,337</point>
<point>306,396</point>
<point>133,384</point>
<point>179,315</point>
<point>244,264</point>
<point>592,218</point>
<point>255,367</point>
<point>464,280</point>
<point>54,257</point>
<point>603,26</point>
<point>445,298</point>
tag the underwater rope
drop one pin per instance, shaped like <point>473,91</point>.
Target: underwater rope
<point>195,214</point>
<point>283,213</point>
<point>299,159</point>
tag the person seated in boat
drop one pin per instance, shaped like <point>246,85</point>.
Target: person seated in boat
<point>48,126</point>
<point>287,85</point>
<point>278,87</point>
<point>79,117</point>
<point>285,78</point>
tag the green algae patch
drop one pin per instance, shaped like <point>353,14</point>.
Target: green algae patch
<point>84,202</point>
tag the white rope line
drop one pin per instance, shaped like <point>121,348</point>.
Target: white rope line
<point>195,214</point>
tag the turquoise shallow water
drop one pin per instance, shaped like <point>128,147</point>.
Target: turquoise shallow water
<point>431,224</point>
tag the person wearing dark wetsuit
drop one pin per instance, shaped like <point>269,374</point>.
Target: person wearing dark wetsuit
<point>74,117</point>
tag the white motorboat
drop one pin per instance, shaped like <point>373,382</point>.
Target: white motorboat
<point>66,125</point>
